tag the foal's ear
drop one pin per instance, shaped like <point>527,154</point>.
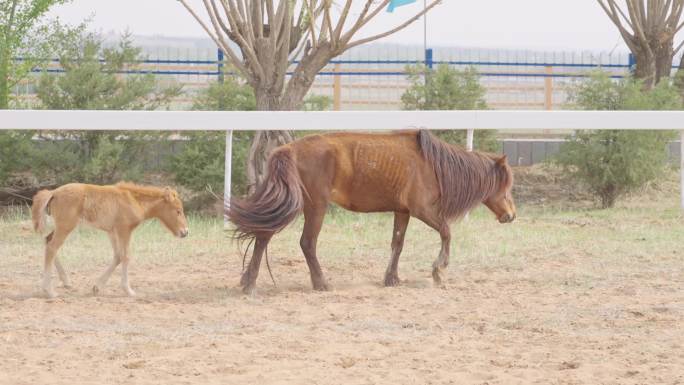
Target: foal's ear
<point>168,194</point>
<point>502,161</point>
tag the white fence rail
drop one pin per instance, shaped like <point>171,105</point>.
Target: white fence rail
<point>342,120</point>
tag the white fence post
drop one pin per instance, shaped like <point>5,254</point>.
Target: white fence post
<point>681,167</point>
<point>469,139</point>
<point>227,176</point>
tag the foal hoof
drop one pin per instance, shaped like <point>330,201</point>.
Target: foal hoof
<point>129,292</point>
<point>49,294</point>
<point>392,280</point>
<point>96,290</point>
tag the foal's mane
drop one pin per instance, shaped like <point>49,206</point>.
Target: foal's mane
<point>142,191</point>
<point>465,178</point>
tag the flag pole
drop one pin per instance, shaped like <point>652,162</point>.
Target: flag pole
<point>424,26</point>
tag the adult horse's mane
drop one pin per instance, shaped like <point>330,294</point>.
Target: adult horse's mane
<point>465,178</point>
<point>145,191</point>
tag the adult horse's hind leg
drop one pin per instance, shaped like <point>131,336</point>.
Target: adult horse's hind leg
<point>249,277</point>
<point>442,260</point>
<point>313,221</point>
<point>401,221</point>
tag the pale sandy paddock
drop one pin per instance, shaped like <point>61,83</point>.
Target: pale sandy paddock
<point>560,297</point>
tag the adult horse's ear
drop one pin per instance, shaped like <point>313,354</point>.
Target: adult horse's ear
<point>502,161</point>
<point>168,195</point>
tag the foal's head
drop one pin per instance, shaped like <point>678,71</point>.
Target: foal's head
<point>170,213</point>
<point>501,200</point>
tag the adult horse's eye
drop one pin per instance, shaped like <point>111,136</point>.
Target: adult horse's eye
<point>179,212</point>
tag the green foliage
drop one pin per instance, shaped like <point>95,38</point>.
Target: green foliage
<point>317,103</point>
<point>25,33</point>
<point>14,150</point>
<point>91,83</point>
<point>615,162</point>
<point>200,165</point>
<point>447,88</point>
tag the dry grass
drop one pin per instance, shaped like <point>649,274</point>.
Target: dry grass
<point>560,296</point>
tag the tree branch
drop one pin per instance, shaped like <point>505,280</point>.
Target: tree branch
<point>393,30</point>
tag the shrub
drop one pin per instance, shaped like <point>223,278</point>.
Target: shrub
<point>449,89</point>
<point>614,162</point>
<point>91,80</point>
<point>200,165</point>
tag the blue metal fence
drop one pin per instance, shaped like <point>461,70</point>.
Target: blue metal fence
<point>428,62</point>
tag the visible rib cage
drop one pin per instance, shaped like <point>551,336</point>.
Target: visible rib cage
<point>465,178</point>
<point>276,202</point>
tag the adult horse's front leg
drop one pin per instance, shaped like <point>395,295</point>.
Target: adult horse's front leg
<point>442,261</point>
<point>401,221</point>
<point>313,221</point>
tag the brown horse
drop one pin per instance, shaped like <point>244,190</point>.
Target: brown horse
<point>411,173</point>
<point>116,209</point>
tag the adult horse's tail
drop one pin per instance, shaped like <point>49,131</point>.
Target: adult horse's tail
<point>39,209</point>
<point>276,202</point>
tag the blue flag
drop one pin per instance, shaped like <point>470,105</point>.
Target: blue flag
<point>398,3</point>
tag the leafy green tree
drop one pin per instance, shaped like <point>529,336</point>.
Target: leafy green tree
<point>446,88</point>
<point>200,165</point>
<point>14,150</point>
<point>25,33</point>
<point>92,80</point>
<point>615,162</point>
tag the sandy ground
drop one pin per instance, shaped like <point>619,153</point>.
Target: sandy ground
<point>558,316</point>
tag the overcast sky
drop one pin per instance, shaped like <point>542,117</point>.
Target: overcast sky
<point>537,24</point>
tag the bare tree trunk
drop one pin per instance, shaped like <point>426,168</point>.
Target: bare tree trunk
<point>264,141</point>
<point>664,55</point>
<point>646,68</point>
<point>679,78</point>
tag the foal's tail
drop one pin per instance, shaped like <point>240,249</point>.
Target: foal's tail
<point>39,209</point>
<point>276,202</point>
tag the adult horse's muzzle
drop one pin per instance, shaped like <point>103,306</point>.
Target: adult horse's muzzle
<point>183,233</point>
<point>507,218</point>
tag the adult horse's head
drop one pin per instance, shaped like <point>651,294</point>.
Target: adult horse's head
<point>170,213</point>
<point>501,200</point>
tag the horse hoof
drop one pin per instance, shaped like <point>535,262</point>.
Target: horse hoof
<point>249,290</point>
<point>67,286</point>
<point>437,276</point>
<point>244,279</point>
<point>130,292</point>
<point>322,286</point>
<point>49,294</point>
<point>392,280</point>
<point>96,290</point>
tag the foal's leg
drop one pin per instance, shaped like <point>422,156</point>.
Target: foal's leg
<point>124,241</point>
<point>401,221</point>
<point>442,260</point>
<point>54,242</point>
<point>118,251</point>
<point>313,221</point>
<point>249,277</point>
<point>62,274</point>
